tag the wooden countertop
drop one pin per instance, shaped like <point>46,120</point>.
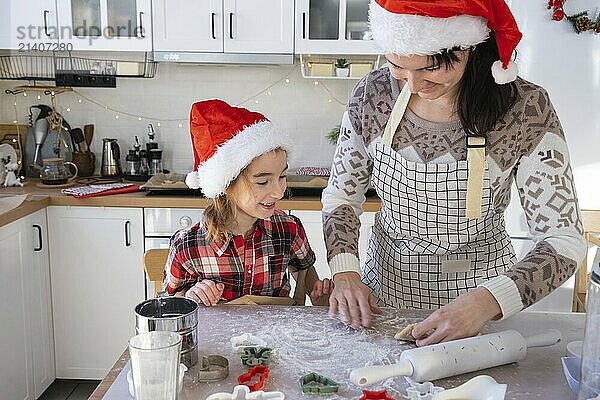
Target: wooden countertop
<point>291,331</point>
<point>42,197</point>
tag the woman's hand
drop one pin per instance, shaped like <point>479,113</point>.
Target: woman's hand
<point>205,292</point>
<point>352,300</point>
<point>320,289</point>
<point>464,316</point>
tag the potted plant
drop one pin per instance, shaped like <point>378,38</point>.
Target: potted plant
<point>341,67</point>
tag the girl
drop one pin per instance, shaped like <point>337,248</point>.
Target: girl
<point>243,245</point>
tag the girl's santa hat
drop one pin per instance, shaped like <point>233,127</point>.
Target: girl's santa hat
<point>426,27</point>
<point>225,140</point>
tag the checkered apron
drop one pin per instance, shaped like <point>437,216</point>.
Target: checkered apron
<point>423,252</point>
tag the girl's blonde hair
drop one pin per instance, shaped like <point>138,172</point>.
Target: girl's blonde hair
<point>221,214</point>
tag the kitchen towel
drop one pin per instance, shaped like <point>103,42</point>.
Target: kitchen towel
<point>101,190</point>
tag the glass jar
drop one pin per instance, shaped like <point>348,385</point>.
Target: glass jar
<point>155,166</point>
<point>132,163</point>
<point>589,386</point>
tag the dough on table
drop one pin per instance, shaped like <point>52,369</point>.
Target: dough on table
<point>406,333</point>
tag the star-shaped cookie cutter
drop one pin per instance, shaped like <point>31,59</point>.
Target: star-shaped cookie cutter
<point>239,343</point>
<point>213,368</point>
<point>263,373</point>
<point>375,395</point>
<point>242,392</point>
<point>256,356</point>
<point>318,384</point>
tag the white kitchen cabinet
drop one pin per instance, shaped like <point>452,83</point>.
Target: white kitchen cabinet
<point>183,28</point>
<point>333,27</point>
<point>22,26</point>
<point>97,280</point>
<point>105,25</point>
<point>26,337</point>
<point>312,222</point>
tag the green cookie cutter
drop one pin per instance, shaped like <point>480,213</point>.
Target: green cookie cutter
<point>256,356</point>
<point>317,384</point>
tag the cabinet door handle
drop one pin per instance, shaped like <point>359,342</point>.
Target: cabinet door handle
<point>142,34</point>
<point>127,233</point>
<point>230,25</point>
<point>212,18</point>
<point>303,25</point>
<point>46,12</point>
<point>39,228</point>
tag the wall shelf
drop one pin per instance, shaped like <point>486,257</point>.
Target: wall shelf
<point>322,66</point>
<point>57,66</point>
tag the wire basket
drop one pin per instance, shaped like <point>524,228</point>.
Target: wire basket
<point>38,68</point>
<point>45,68</point>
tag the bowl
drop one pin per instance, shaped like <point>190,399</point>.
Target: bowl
<point>182,370</point>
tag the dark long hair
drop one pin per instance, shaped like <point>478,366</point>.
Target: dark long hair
<point>481,102</point>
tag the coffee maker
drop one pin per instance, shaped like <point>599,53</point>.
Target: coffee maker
<point>111,158</point>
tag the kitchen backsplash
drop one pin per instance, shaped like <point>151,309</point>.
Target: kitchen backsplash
<point>305,108</point>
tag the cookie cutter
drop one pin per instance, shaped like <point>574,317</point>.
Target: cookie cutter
<point>242,392</point>
<point>375,395</point>
<point>239,343</point>
<point>213,368</point>
<point>263,373</point>
<point>256,356</point>
<point>318,384</point>
<point>422,391</point>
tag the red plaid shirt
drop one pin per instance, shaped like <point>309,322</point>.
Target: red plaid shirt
<point>256,265</point>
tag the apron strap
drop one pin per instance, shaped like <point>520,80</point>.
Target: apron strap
<point>475,155</point>
<point>476,168</point>
<point>396,116</point>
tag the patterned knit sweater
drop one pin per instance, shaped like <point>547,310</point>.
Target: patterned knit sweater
<point>527,147</point>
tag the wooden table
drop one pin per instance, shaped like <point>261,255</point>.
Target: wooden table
<point>307,340</point>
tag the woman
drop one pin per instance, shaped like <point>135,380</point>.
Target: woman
<point>442,133</point>
<point>243,245</point>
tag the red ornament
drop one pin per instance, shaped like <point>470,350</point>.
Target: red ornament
<point>558,15</point>
<point>598,29</point>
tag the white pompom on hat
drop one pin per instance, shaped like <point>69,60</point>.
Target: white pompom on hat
<point>426,27</point>
<point>225,140</point>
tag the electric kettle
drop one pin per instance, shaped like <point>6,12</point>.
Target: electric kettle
<point>111,158</point>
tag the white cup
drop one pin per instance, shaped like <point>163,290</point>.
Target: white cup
<point>155,365</point>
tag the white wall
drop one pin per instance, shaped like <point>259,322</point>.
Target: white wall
<point>567,64</point>
<point>300,107</point>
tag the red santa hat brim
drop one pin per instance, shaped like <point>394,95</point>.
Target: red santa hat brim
<point>215,175</point>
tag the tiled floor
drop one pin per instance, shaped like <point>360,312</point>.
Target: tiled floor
<point>63,389</point>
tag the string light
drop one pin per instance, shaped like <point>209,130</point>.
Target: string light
<point>39,97</point>
<point>254,98</point>
<point>24,94</point>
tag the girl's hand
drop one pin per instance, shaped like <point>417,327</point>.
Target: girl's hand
<point>321,288</point>
<point>205,292</point>
<point>465,316</point>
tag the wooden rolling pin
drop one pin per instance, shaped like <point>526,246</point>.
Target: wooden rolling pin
<point>456,357</point>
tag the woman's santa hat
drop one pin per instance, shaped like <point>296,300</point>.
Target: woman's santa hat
<point>225,140</point>
<point>426,27</point>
